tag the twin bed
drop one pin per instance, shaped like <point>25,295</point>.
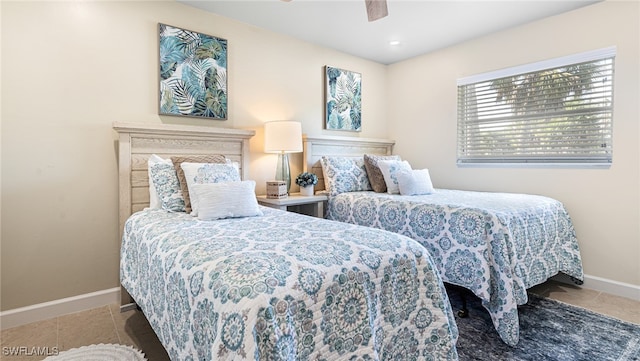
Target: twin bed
<point>279,286</point>
<point>494,244</point>
<point>286,286</point>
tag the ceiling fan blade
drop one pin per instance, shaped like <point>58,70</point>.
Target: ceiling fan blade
<point>376,9</point>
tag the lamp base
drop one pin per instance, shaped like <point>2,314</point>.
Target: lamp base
<point>282,170</point>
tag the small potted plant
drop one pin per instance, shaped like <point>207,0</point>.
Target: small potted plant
<point>306,181</point>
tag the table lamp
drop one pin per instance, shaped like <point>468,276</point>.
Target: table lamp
<point>283,137</point>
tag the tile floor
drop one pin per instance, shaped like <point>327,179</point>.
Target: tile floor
<point>108,325</point>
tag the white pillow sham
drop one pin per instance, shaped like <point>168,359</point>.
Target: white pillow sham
<point>390,170</point>
<point>177,162</point>
<point>204,173</point>
<point>373,171</point>
<point>164,187</point>
<point>415,182</point>
<point>225,200</point>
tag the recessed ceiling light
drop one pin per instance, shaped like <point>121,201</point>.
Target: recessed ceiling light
<point>394,42</point>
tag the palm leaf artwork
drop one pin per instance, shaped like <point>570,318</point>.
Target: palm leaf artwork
<point>343,99</point>
<point>193,73</point>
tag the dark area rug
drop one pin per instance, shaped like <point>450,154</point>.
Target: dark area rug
<point>549,330</point>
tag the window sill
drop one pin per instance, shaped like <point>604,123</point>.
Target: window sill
<point>537,165</point>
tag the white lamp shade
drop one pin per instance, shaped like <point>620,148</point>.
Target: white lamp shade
<point>282,137</point>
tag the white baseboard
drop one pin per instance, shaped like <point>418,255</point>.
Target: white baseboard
<point>44,311</point>
<point>604,285</point>
<point>612,287</point>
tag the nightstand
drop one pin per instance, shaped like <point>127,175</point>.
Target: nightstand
<point>309,205</point>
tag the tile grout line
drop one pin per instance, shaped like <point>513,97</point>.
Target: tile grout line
<point>113,322</point>
<point>58,333</point>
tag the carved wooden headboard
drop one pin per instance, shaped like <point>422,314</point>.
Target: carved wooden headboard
<point>314,147</point>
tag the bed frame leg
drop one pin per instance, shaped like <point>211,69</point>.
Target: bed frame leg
<point>576,281</point>
<point>126,301</point>
<point>464,311</point>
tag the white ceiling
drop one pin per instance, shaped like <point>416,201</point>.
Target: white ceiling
<point>420,26</point>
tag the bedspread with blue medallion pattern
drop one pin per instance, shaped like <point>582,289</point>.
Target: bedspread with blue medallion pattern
<point>285,286</point>
<point>495,244</point>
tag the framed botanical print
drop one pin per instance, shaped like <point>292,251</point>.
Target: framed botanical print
<point>193,73</point>
<point>343,99</point>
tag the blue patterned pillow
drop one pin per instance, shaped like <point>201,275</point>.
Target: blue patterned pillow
<point>166,185</point>
<point>154,202</point>
<point>204,173</point>
<point>344,174</point>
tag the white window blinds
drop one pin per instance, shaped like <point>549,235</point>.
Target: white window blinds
<point>556,111</point>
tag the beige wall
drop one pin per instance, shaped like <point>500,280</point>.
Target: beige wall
<point>604,203</point>
<point>69,69</point>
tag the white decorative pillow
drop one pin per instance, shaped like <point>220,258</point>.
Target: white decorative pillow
<point>177,162</point>
<point>225,200</point>
<point>164,187</point>
<point>415,182</point>
<point>203,173</point>
<point>373,171</point>
<point>344,174</point>
<point>390,170</point>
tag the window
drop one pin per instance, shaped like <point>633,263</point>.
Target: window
<point>553,112</point>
